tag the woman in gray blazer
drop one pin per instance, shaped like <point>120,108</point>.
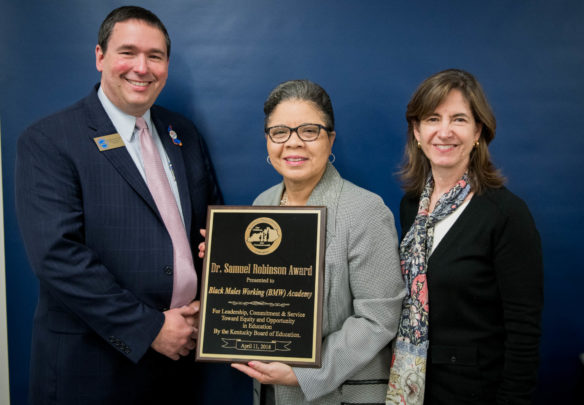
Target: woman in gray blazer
<point>363,283</point>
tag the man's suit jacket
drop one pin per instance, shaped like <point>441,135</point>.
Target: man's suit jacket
<point>97,243</point>
<point>363,292</point>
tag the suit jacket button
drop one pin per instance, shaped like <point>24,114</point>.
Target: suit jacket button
<point>453,359</point>
<point>168,270</point>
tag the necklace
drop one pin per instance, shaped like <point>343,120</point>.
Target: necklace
<point>284,200</point>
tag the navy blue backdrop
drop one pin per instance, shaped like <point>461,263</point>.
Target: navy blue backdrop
<point>370,56</point>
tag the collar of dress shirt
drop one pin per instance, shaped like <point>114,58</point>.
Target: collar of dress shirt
<point>124,123</point>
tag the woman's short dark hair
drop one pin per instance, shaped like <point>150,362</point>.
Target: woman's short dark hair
<point>301,90</point>
<point>429,95</point>
<point>126,13</point>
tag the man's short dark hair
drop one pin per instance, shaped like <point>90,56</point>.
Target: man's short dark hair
<point>126,13</point>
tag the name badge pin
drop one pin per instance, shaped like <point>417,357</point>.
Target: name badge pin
<point>109,142</point>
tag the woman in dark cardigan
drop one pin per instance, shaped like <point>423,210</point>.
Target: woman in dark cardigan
<point>471,258</point>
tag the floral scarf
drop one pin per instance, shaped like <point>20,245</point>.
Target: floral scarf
<point>408,365</point>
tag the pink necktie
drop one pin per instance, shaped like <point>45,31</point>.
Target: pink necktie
<point>185,278</point>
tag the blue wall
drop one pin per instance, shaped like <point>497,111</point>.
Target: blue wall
<point>370,56</point>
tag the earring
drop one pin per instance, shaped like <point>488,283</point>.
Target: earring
<point>268,160</point>
<point>419,145</point>
<point>476,145</point>
<point>334,158</point>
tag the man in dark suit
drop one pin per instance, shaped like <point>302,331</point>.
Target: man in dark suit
<point>112,324</point>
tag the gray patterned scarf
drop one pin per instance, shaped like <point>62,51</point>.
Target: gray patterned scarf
<point>410,348</point>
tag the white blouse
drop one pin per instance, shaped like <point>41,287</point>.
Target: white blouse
<point>441,228</point>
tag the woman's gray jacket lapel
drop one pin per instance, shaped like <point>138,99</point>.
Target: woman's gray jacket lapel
<point>326,193</point>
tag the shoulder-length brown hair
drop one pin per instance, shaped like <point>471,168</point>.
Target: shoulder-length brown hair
<point>415,168</point>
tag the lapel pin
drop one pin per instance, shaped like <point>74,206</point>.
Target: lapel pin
<point>174,136</point>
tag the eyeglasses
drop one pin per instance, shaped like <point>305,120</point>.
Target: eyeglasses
<point>306,132</point>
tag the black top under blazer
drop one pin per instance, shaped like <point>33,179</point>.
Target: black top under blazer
<point>485,282</point>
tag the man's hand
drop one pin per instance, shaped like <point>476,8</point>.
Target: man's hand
<point>202,244</point>
<point>177,336</point>
<point>193,320</point>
